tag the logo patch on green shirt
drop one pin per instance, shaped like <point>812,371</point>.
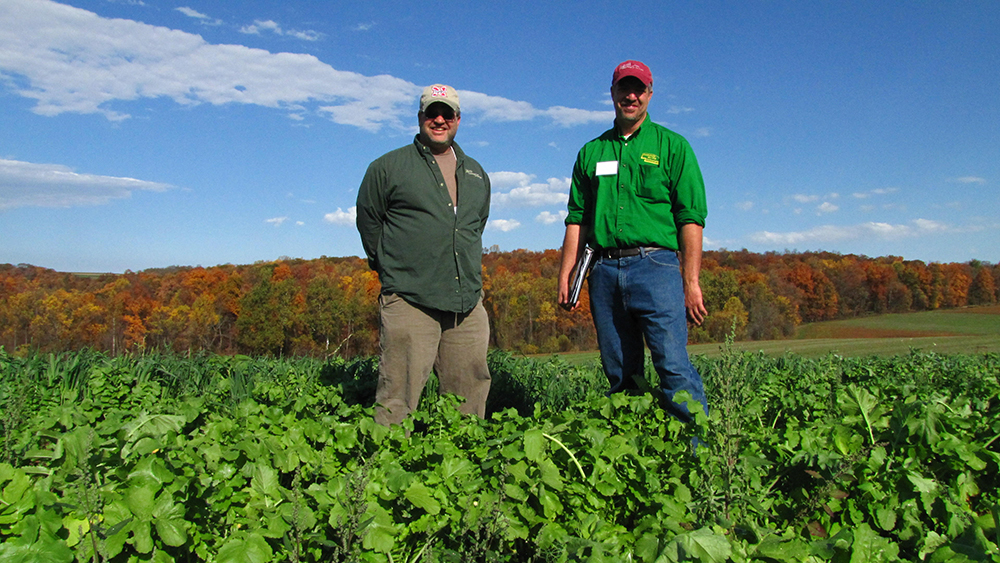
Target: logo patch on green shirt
<point>650,158</point>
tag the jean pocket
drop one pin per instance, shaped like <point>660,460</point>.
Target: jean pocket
<point>664,257</point>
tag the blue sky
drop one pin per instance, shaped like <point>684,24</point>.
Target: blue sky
<point>146,133</point>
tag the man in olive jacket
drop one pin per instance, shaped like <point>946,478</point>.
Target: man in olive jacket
<point>422,209</point>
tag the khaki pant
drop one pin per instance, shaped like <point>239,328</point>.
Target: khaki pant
<point>415,339</point>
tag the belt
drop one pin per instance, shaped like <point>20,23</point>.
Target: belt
<point>624,252</point>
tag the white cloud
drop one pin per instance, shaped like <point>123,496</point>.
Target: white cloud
<point>276,221</point>
<point>503,225</point>
<point>802,198</point>
<point>568,117</point>
<point>71,60</point>
<point>273,27</point>
<point>679,109</point>
<point>25,184</point>
<point>522,191</point>
<point>968,180</point>
<point>930,226</point>
<point>363,26</point>
<point>827,207</point>
<point>341,217</point>
<point>744,205</point>
<point>703,132</point>
<point>834,233</point>
<point>547,218</point>
<point>191,13</point>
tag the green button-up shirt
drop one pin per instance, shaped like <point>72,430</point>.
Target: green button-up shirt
<point>637,191</point>
<point>422,248</point>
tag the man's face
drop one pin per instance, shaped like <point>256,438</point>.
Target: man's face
<point>631,98</point>
<point>438,126</point>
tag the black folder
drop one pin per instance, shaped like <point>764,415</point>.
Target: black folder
<point>580,274</point>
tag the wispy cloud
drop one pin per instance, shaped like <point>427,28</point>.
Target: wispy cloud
<point>503,225</point>
<point>548,218</point>
<point>835,233</point>
<point>191,13</point>
<point>744,205</point>
<point>876,191</point>
<point>274,27</point>
<point>968,180</point>
<point>365,26</point>
<point>341,217</point>
<point>26,184</point>
<point>276,221</point>
<point>520,189</point>
<point>71,60</point>
<point>826,207</point>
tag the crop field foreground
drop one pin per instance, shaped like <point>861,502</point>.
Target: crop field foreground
<point>235,459</point>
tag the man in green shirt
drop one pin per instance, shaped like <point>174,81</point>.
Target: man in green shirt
<point>638,198</point>
<point>422,209</point>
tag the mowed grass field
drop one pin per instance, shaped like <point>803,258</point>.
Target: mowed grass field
<point>970,330</point>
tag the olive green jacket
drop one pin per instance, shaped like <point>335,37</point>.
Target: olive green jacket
<point>422,248</point>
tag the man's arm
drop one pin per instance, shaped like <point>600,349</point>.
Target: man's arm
<point>573,243</point>
<point>690,240</point>
<point>371,213</point>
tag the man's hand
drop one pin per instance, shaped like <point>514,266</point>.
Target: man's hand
<point>694,304</point>
<point>571,250</point>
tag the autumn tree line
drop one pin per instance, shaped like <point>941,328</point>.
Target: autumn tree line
<point>328,306</point>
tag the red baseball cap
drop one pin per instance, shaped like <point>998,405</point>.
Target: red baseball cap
<point>632,68</point>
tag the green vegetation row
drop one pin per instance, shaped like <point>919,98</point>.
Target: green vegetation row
<point>237,459</point>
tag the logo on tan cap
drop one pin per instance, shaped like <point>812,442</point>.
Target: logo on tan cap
<point>439,93</point>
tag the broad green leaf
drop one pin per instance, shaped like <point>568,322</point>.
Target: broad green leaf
<point>647,547</point>
<point>142,538</point>
<point>534,444</point>
<point>869,547</point>
<point>150,471</point>
<point>702,544</point>
<point>173,531</point>
<point>550,503</point>
<point>264,480</point>
<point>77,528</point>
<point>922,484</point>
<point>886,518</point>
<point>398,479</point>
<point>45,550</point>
<point>421,496</point>
<point>14,490</point>
<point>550,474</point>
<point>253,549</point>
<point>780,549</point>
<point>379,533</point>
<point>140,501</point>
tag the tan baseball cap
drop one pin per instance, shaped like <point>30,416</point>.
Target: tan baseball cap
<point>439,93</point>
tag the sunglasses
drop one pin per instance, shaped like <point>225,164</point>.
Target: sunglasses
<point>444,111</point>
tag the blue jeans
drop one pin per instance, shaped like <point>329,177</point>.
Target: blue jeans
<point>641,298</point>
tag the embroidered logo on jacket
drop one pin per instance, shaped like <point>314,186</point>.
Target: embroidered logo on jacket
<point>474,174</point>
<point>650,158</point>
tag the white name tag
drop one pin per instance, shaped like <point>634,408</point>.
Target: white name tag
<point>607,168</point>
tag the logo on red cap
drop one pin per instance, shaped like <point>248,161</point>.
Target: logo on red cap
<point>632,68</point>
